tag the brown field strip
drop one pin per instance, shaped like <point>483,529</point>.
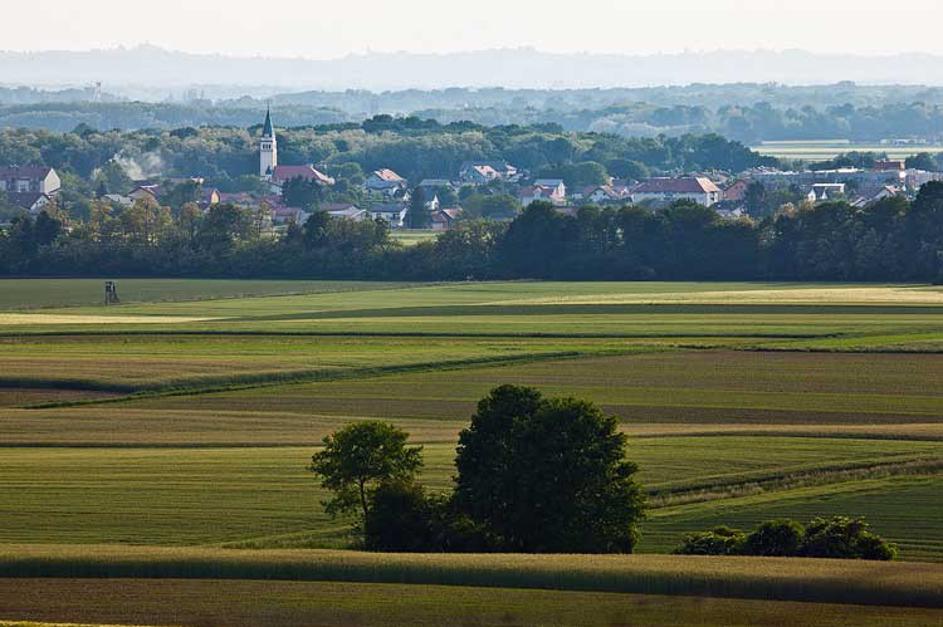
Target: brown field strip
<point>133,425</point>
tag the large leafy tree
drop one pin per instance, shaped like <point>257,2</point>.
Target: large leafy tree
<point>548,475</point>
<point>359,458</point>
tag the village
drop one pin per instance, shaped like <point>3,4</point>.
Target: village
<point>493,189</point>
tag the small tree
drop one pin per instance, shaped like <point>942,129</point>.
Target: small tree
<point>360,457</point>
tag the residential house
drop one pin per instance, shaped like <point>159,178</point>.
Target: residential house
<point>393,213</point>
<point>736,191</point>
<point>118,200</point>
<point>557,186</point>
<point>431,186</point>
<point>31,202</point>
<point>29,179</point>
<point>821,192</point>
<point>386,182</point>
<point>284,173</point>
<point>444,219</point>
<point>146,190</point>
<point>484,172</point>
<point>539,193</point>
<point>668,190</point>
<point>601,194</point>
<point>890,165</point>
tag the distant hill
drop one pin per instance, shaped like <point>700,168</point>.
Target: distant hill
<point>154,70</point>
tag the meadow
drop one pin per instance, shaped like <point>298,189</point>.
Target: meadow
<point>829,149</point>
<point>184,418</point>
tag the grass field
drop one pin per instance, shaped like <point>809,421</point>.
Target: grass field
<point>829,149</point>
<point>185,418</point>
<point>295,603</point>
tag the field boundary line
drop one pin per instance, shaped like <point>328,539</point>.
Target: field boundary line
<point>272,379</point>
<point>766,482</point>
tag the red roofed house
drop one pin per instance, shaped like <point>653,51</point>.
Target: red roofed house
<point>385,181</point>
<point>699,189</point>
<point>284,173</point>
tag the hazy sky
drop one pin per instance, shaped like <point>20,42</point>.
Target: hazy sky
<point>318,29</point>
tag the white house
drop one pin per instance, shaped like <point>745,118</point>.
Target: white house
<point>30,179</point>
<point>483,172</point>
<point>667,190</point>
<point>385,181</point>
<point>393,213</point>
<point>31,202</point>
<point>557,186</point>
<point>547,190</point>
<point>826,191</point>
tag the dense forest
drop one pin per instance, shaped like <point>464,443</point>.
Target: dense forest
<point>747,113</point>
<point>892,240</point>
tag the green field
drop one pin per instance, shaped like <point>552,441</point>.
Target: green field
<point>185,417</point>
<point>828,149</point>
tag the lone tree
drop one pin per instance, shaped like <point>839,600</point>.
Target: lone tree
<point>548,475</point>
<point>360,457</point>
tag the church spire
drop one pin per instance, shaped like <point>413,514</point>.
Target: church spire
<point>267,129</point>
<point>268,147</point>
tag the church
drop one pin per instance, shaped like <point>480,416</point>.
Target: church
<point>278,174</point>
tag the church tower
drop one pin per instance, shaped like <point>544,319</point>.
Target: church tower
<point>268,148</point>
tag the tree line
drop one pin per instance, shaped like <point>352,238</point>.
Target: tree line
<point>747,113</point>
<point>891,240</point>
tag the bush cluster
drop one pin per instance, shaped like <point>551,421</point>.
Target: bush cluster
<point>839,537</point>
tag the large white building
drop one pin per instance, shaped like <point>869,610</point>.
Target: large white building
<point>701,190</point>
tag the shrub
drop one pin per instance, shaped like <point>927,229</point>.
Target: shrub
<point>717,541</point>
<point>779,538</point>
<point>403,518</point>
<point>839,537</point>
<point>845,538</point>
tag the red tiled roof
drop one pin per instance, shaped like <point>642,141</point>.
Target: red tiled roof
<point>699,185</point>
<point>388,175</point>
<point>285,173</point>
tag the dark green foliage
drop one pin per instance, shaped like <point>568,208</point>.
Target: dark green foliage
<point>548,475</point>
<point>845,538</point>
<point>418,216</point>
<point>359,458</point>
<point>403,518</point>
<point>775,538</point>
<point>839,537</point>
<point>717,541</point>
<point>491,206</point>
<point>301,193</point>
